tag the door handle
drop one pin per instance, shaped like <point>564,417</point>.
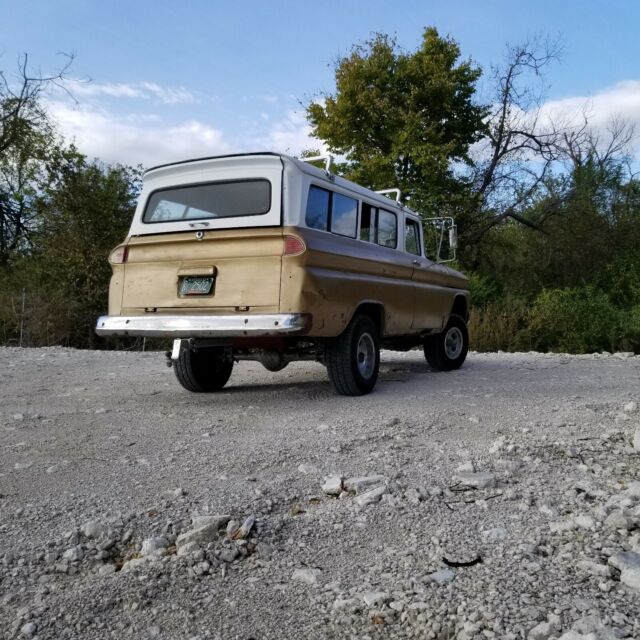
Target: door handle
<point>417,262</point>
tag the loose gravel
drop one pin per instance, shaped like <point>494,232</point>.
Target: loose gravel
<point>498,501</point>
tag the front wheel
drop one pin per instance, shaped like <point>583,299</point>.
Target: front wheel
<point>447,350</point>
<point>353,358</point>
<point>203,370</point>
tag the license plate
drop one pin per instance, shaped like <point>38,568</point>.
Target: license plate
<point>196,285</point>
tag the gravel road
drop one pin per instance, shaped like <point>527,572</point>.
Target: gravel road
<point>498,501</point>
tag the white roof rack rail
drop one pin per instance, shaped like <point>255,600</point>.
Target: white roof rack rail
<point>398,193</point>
<point>328,160</point>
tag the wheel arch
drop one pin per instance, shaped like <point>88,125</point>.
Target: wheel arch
<point>460,306</point>
<point>374,310</point>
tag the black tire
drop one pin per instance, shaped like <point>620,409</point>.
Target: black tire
<point>351,371</point>
<point>203,370</point>
<point>446,356</point>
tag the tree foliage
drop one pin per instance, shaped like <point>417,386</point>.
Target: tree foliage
<point>403,119</point>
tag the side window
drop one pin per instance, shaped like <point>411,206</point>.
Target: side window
<point>368,223</point>
<point>412,237</point>
<point>317,215</point>
<point>344,215</point>
<point>387,229</point>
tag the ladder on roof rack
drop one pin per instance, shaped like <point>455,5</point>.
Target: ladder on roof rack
<point>328,160</point>
<point>385,192</point>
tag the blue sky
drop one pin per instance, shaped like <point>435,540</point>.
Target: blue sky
<point>170,79</point>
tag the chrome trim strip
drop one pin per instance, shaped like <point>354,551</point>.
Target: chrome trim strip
<point>195,326</point>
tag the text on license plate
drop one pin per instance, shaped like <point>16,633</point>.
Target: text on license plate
<point>196,285</point>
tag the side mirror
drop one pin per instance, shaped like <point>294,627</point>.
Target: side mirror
<point>453,237</point>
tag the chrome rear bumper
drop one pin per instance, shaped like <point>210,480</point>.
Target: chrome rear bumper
<point>195,326</point>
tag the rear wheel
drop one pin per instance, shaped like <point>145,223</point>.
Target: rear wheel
<point>353,358</point>
<point>203,370</point>
<point>447,350</point>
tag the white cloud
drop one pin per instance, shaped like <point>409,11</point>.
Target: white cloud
<point>291,135</point>
<point>144,137</point>
<point>140,90</point>
<point>135,139</point>
<point>622,100</point>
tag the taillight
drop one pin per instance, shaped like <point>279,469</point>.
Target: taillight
<point>293,246</point>
<point>119,255</point>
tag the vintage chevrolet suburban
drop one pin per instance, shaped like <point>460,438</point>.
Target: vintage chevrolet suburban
<point>266,257</point>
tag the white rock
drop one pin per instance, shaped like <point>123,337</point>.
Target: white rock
<point>307,468</point>
<point>636,440</point>
<point>134,563</point>
<point>187,548</point>
<point>573,635</point>
<point>371,496</point>
<point>206,529</point>
<point>497,445</point>
<point>477,480</point>
<point>19,466</point>
<point>229,555</point>
<point>441,577</point>
<point>156,546</point>
<point>363,483</point>
<point>629,564</point>
<point>233,527</point>
<point>594,568</point>
<point>245,529</point>
<point>562,525</point>
<point>494,534</point>
<point>332,486</point>
<point>306,575</point>
<point>342,604</point>
<point>630,407</point>
<point>375,598</point>
<point>75,554</point>
<point>585,521</point>
<point>541,631</point>
<point>633,489</point>
<point>618,520</point>
<point>107,569</point>
<point>93,529</point>
<point>28,629</point>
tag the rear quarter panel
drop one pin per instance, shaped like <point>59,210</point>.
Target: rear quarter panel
<point>336,274</point>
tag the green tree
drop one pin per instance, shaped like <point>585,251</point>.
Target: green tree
<point>403,119</point>
<point>84,212</point>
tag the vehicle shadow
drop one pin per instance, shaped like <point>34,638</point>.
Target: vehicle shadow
<point>390,371</point>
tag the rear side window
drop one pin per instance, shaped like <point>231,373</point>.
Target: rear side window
<point>330,211</point>
<point>412,237</point>
<point>387,229</point>
<point>344,215</point>
<point>213,200</point>
<point>317,215</point>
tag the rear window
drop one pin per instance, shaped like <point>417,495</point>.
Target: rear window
<point>212,200</point>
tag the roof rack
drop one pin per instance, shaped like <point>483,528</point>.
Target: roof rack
<point>328,160</point>
<point>385,192</point>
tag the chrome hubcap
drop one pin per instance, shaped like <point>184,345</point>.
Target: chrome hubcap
<point>366,355</point>
<point>453,342</point>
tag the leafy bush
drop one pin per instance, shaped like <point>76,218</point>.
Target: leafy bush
<point>580,320</point>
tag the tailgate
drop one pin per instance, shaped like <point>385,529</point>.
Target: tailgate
<point>244,264</point>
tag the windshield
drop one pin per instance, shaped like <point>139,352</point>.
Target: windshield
<point>212,200</point>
